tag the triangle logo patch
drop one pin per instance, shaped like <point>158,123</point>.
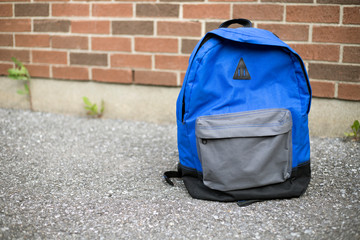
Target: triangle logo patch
<point>241,72</point>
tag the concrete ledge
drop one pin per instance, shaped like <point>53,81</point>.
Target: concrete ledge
<point>331,117</point>
<point>128,102</point>
<point>328,117</point>
<point>8,96</point>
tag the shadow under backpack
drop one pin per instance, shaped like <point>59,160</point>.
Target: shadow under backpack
<point>242,118</point>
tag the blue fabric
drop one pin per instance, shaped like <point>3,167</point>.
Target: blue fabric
<point>278,80</point>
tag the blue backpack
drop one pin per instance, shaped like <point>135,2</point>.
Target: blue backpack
<point>242,118</point>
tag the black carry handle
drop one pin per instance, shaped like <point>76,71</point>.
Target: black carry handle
<point>242,21</point>
<point>172,174</point>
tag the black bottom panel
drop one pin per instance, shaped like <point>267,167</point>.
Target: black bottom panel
<point>295,186</point>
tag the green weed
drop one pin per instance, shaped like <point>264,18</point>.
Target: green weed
<point>355,131</point>
<point>92,109</point>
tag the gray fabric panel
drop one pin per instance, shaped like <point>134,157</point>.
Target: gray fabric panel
<point>245,124</point>
<point>233,161</point>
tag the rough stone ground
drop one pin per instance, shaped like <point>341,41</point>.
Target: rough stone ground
<point>65,177</point>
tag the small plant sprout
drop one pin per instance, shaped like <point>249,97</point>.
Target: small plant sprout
<point>20,72</point>
<point>355,131</point>
<point>92,108</point>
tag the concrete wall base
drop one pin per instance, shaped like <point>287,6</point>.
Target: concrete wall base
<point>128,102</point>
<point>332,117</point>
<point>328,117</point>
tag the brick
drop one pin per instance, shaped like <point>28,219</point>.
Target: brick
<point>171,62</point>
<point>351,54</point>
<point>112,10</point>
<point>336,34</point>
<point>188,45</point>
<point>259,11</point>
<point>289,1</point>
<point>70,10</point>
<point>91,26</point>
<point>320,14</point>
<point>157,10</point>
<point>206,11</point>
<point>29,40</point>
<point>91,59</point>
<point>351,15</point>
<point>51,0</point>
<point>6,10</point>
<point>112,75</point>
<point>4,68</point>
<point>155,78</point>
<point>335,72</point>
<point>232,0</point>
<point>209,26</point>
<point>338,1</point>
<point>130,0</point>
<point>15,25</point>
<point>179,29</point>
<point>131,61</point>
<point>181,1</point>
<point>6,40</point>
<point>38,70</point>
<point>349,91</point>
<point>156,45</point>
<point>69,42</point>
<point>182,78</point>
<point>31,10</point>
<point>51,25</point>
<point>21,55</point>
<point>111,44</point>
<point>288,32</point>
<point>50,57</point>
<point>323,89</point>
<point>133,27</point>
<point>319,52</point>
<point>74,73</point>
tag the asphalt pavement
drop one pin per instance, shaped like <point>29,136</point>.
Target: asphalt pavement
<point>66,177</point>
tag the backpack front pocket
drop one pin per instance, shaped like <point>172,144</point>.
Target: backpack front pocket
<point>246,149</point>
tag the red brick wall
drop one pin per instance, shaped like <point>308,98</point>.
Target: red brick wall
<point>149,41</point>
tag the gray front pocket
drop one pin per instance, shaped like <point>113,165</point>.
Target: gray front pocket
<point>246,149</point>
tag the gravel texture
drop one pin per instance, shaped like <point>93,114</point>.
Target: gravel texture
<point>65,177</point>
